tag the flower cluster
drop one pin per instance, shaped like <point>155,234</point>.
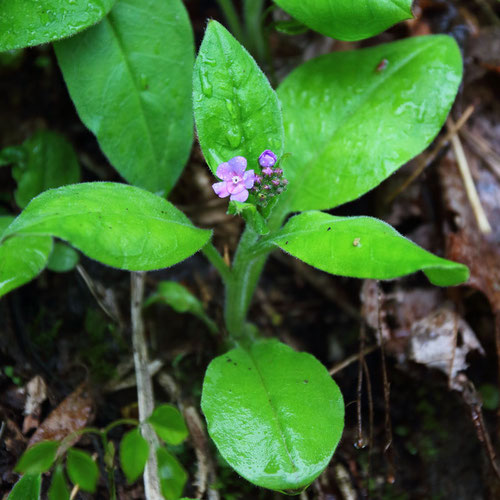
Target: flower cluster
<point>237,181</point>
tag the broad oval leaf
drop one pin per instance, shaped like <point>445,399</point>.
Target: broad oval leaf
<point>275,414</point>
<point>172,475</point>
<point>63,258</point>
<point>58,487</point>
<point>353,118</point>
<point>82,470</point>
<point>348,19</point>
<point>130,79</point>
<point>362,247</point>
<point>27,488</point>
<point>168,423</point>
<point>23,24</point>
<point>39,458</point>
<point>119,225</point>
<point>237,112</point>
<point>134,452</point>
<point>48,161</point>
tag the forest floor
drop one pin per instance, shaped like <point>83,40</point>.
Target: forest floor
<point>424,422</point>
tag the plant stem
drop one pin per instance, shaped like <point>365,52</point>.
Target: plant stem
<point>145,395</point>
<point>232,18</point>
<point>252,13</point>
<point>217,261</point>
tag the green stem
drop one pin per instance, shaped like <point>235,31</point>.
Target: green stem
<point>217,261</point>
<point>121,421</point>
<point>232,18</point>
<point>252,14</point>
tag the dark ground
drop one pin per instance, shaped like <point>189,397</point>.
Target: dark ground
<point>54,328</point>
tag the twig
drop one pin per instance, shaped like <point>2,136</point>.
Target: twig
<point>145,395</point>
<point>470,188</point>
<point>483,149</point>
<point>360,442</point>
<point>351,359</point>
<point>371,418</point>
<point>429,157</point>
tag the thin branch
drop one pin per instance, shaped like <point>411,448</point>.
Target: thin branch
<point>428,158</point>
<point>351,359</point>
<point>145,395</point>
<point>470,188</point>
<point>215,258</point>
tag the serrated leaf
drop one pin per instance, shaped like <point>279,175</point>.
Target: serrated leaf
<point>37,459</point>
<point>27,488</point>
<point>82,470</point>
<point>119,225</point>
<point>63,258</point>
<point>47,161</point>
<point>23,24</point>
<point>362,247</point>
<point>237,112</point>
<point>353,118</point>
<point>172,475</point>
<point>348,19</point>
<point>275,414</point>
<point>130,80</point>
<point>58,488</point>
<point>168,423</point>
<point>134,452</point>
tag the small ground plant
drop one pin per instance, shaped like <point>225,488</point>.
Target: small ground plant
<point>334,129</point>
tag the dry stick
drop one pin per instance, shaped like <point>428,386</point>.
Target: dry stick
<point>483,149</point>
<point>387,394</point>
<point>145,395</point>
<point>426,159</point>
<point>360,442</point>
<point>470,188</point>
<point>351,359</point>
<point>371,418</point>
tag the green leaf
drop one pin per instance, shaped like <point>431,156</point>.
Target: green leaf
<point>63,258</point>
<point>48,161</point>
<point>119,225</point>
<point>275,414</point>
<point>168,423</point>
<point>362,247</point>
<point>5,221</point>
<point>350,124</point>
<point>348,19</point>
<point>23,24</point>
<point>82,470</point>
<point>27,488</point>
<point>181,300</point>
<point>134,453</point>
<point>130,79</point>
<point>37,459</point>
<point>251,216</point>
<point>172,475</point>
<point>237,112</point>
<point>58,488</point>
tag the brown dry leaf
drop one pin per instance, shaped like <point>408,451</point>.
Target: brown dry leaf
<point>36,394</point>
<point>442,340</point>
<point>481,253</point>
<point>73,414</point>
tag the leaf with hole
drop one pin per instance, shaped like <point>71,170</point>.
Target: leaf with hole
<point>362,247</point>
<point>353,118</point>
<point>119,225</point>
<point>349,19</point>
<point>275,414</point>
<point>130,80</point>
<point>134,452</point>
<point>23,24</point>
<point>237,112</point>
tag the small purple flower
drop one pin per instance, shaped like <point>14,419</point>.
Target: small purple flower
<point>275,182</point>
<point>267,158</point>
<point>268,171</point>
<point>235,181</point>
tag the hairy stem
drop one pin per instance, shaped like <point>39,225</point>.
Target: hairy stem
<point>145,395</point>
<point>217,261</point>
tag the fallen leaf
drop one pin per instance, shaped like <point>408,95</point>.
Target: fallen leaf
<point>36,394</point>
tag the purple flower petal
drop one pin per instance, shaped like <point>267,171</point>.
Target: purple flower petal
<point>267,158</point>
<point>238,164</point>
<point>235,188</point>
<point>249,178</point>
<point>224,171</point>
<point>241,196</point>
<point>220,189</point>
